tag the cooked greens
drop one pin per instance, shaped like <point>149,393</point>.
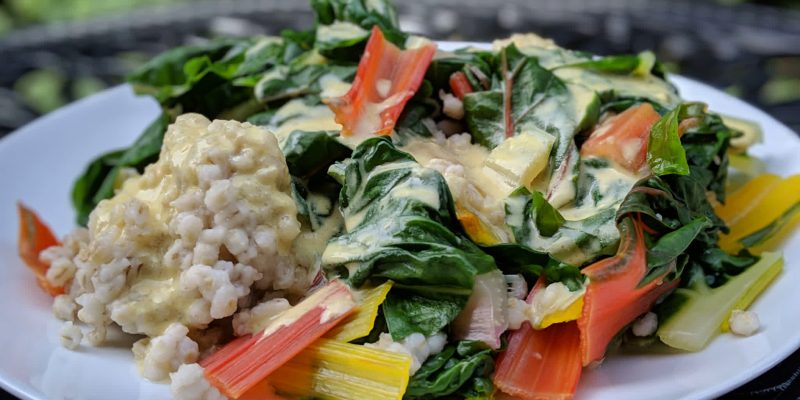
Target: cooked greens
<point>462,369</point>
<point>400,225</point>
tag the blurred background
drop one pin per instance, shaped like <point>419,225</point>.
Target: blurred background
<point>56,51</point>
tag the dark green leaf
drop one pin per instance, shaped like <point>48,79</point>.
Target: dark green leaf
<point>161,74</point>
<point>463,370</point>
<point>98,182</point>
<point>665,251</point>
<point>538,100</point>
<point>299,80</point>
<point>308,153</point>
<point>548,219</point>
<point>639,64</point>
<point>461,60</point>
<point>580,240</point>
<point>339,38</point>
<point>407,312</point>
<point>401,226</point>
<point>89,183</point>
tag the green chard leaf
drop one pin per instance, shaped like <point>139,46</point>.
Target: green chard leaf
<point>686,228</point>
<point>343,26</point>
<point>514,258</point>
<point>536,224</point>
<point>401,225</point>
<point>426,314</point>
<point>298,79</point>
<point>195,78</point>
<point>665,153</point>
<point>477,65</point>
<point>628,64</point>
<point>164,74</point>
<point>463,369</point>
<point>99,180</point>
<point>527,99</point>
<point>309,153</point>
<point>308,156</point>
<point>531,99</point>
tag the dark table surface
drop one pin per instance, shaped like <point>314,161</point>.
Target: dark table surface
<point>735,49</point>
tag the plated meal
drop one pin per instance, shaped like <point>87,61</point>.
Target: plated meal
<point>349,212</point>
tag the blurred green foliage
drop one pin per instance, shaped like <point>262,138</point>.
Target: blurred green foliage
<point>25,12</point>
<point>42,89</point>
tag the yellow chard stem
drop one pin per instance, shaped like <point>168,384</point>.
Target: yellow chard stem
<point>360,323</point>
<point>330,369</point>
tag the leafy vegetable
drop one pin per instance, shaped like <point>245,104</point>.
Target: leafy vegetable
<point>195,79</point>
<point>536,224</point>
<point>164,77</point>
<point>400,225</point>
<point>530,97</point>
<point>474,66</point>
<point>407,312</point>
<point>308,157</point>
<point>309,153</point>
<point>678,203</point>
<point>363,14</point>
<point>99,180</point>
<point>461,369</point>
<point>640,64</point>
<point>513,258</point>
<point>299,79</point>
<point>665,154</point>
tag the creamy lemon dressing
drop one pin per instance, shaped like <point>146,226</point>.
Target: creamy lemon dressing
<point>341,30</point>
<point>475,186</point>
<point>647,86</point>
<point>553,298</point>
<point>297,115</point>
<point>604,187</point>
<point>333,86</point>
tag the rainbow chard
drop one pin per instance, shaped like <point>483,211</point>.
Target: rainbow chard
<point>484,318</point>
<point>526,96</point>
<point>243,363</point>
<point>400,225</point>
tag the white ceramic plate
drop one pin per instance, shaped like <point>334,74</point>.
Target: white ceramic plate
<point>39,162</point>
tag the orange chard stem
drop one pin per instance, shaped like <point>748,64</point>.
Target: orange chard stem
<point>624,137</point>
<point>34,237</point>
<point>386,79</point>
<point>614,297</point>
<point>540,364</point>
<point>459,84</point>
<point>246,361</point>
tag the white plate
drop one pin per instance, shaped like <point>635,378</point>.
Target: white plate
<point>39,163</point>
